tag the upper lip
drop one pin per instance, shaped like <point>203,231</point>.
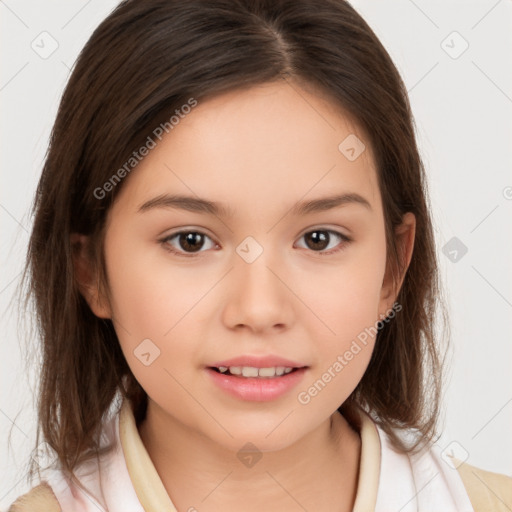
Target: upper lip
<point>269,361</point>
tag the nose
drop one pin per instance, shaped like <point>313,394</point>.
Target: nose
<point>258,298</point>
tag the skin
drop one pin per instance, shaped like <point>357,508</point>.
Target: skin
<point>258,151</point>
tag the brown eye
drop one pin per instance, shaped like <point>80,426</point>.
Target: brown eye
<point>320,239</point>
<point>317,240</point>
<point>191,241</point>
<point>188,243</point>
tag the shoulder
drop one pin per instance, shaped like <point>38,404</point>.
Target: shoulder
<point>40,498</point>
<point>486,490</point>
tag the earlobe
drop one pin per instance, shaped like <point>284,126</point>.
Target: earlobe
<point>86,276</point>
<point>405,235</point>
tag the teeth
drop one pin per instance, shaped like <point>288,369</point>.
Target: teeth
<point>251,371</point>
<point>267,372</point>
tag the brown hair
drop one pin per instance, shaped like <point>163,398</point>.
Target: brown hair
<point>146,59</point>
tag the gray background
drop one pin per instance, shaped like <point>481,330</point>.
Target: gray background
<point>462,102</point>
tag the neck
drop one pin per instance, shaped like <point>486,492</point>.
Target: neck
<point>319,472</point>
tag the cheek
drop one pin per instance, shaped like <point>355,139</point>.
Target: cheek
<point>346,296</point>
<point>152,306</point>
<point>347,302</point>
<point>153,311</point>
<point>342,355</point>
<point>149,295</point>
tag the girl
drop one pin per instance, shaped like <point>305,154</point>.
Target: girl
<point>235,275</point>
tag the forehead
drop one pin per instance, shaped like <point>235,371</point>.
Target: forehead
<point>263,146</point>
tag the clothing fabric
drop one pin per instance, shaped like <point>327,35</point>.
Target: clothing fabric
<point>126,480</point>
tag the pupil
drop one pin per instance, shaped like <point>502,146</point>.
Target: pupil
<point>192,241</point>
<point>319,237</point>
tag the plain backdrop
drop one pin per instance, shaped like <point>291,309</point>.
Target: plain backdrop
<point>455,58</point>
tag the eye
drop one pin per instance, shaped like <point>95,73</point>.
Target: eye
<point>320,239</point>
<point>186,243</point>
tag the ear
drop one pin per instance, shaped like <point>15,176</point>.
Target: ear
<point>405,235</point>
<point>87,277</point>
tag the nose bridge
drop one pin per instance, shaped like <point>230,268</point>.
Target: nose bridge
<point>256,281</point>
<point>258,298</point>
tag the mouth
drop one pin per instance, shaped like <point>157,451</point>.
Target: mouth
<point>254,372</point>
<point>257,379</point>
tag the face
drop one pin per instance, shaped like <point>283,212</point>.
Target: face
<point>257,269</point>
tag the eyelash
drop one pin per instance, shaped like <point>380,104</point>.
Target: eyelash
<point>164,241</point>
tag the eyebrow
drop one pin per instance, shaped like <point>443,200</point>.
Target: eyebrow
<point>199,205</point>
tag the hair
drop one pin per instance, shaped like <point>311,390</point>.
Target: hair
<point>144,61</point>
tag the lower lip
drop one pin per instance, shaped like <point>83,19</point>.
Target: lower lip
<point>257,389</point>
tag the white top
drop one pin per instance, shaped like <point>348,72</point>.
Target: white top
<point>126,480</point>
